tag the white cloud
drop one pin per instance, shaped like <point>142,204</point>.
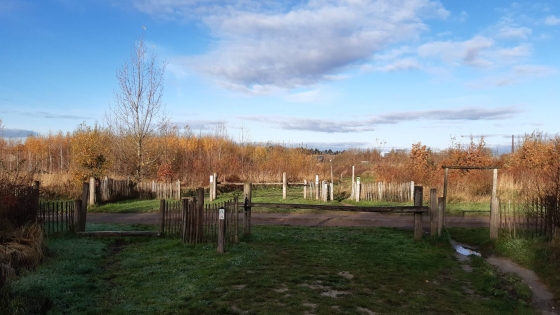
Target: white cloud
<point>459,52</point>
<point>400,65</point>
<point>516,74</point>
<point>552,20</point>
<point>313,96</point>
<point>517,51</point>
<point>260,48</point>
<point>508,32</point>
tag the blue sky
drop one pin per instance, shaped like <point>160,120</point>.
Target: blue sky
<point>323,73</point>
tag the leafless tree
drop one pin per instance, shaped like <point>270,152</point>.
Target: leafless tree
<point>138,112</point>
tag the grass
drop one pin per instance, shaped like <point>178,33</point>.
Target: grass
<point>278,270</point>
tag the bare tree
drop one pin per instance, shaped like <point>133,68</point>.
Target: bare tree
<point>138,112</point>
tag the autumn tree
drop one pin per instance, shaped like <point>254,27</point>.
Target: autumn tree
<point>138,112</point>
<point>89,153</point>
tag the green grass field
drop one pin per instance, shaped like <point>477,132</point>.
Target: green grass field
<point>278,270</point>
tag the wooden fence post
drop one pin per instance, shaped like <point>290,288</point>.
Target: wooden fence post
<point>418,192</point>
<point>91,190</point>
<point>352,194</point>
<point>358,189</point>
<point>211,188</point>
<point>316,187</point>
<point>332,191</point>
<point>215,189</point>
<point>236,222</point>
<point>494,208</point>
<point>445,182</point>
<point>200,215</point>
<point>83,209</point>
<point>305,189</point>
<point>441,202</point>
<point>247,192</point>
<point>77,215</point>
<point>221,229</point>
<point>185,214</point>
<point>284,186</point>
<point>162,217</point>
<point>433,212</point>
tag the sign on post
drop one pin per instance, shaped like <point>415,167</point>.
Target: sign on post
<point>221,230</point>
<point>221,214</point>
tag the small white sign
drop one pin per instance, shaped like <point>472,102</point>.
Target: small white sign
<point>222,214</point>
<point>211,178</point>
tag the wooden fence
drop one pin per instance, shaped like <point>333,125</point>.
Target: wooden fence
<point>397,192</point>
<point>193,222</point>
<point>109,189</point>
<point>20,206</point>
<point>57,216</point>
<point>536,217</point>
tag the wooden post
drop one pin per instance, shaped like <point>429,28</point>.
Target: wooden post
<point>185,208</point>
<point>305,189</point>
<point>316,187</point>
<point>82,214</point>
<point>91,190</point>
<point>445,181</point>
<point>494,208</point>
<point>332,193</point>
<point>284,186</point>
<point>77,215</point>
<point>211,188</point>
<point>162,217</point>
<point>411,190</point>
<point>247,192</point>
<point>178,189</point>
<point>441,202</point>
<point>353,185</point>
<point>215,189</point>
<point>358,188</point>
<point>221,230</point>
<point>200,215</point>
<point>433,212</point>
<point>418,191</point>
<point>236,222</point>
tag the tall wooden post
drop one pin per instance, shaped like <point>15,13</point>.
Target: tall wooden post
<point>91,190</point>
<point>445,181</point>
<point>352,195</point>
<point>418,192</point>
<point>433,212</point>
<point>316,187</point>
<point>441,202</point>
<point>284,186</point>
<point>236,222</point>
<point>200,215</point>
<point>215,190</point>
<point>358,188</point>
<point>185,220</point>
<point>305,189</point>
<point>82,214</point>
<point>211,189</point>
<point>247,192</point>
<point>162,217</point>
<point>494,208</point>
<point>332,192</point>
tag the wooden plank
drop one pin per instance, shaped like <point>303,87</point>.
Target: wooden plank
<point>494,208</point>
<point>433,212</point>
<point>418,194</point>
<point>399,209</point>
<point>119,233</point>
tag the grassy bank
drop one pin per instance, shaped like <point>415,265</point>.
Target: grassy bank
<point>279,270</point>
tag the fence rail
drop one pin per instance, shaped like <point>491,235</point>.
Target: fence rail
<point>109,189</point>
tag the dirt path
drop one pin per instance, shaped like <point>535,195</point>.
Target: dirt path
<point>305,219</point>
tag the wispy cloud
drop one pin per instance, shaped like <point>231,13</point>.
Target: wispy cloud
<point>369,124</point>
<point>400,65</point>
<point>510,32</point>
<point>46,115</point>
<point>516,74</point>
<point>468,52</point>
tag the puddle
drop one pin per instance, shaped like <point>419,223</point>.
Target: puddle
<point>463,250</point>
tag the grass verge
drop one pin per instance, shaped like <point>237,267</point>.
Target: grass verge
<point>279,270</point>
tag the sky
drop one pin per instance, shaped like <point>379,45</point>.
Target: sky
<point>331,74</point>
